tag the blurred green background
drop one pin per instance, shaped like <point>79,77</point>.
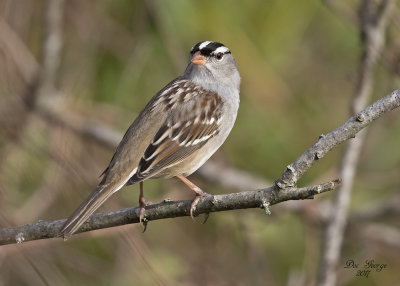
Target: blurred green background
<point>298,61</point>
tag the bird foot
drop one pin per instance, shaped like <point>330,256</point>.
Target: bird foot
<point>199,194</point>
<point>142,205</point>
<point>142,220</point>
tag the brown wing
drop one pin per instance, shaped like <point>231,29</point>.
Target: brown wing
<point>136,139</point>
<point>186,130</point>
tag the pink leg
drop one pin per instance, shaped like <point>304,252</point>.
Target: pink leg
<point>142,203</point>
<point>199,194</point>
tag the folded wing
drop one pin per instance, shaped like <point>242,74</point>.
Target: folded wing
<point>186,130</point>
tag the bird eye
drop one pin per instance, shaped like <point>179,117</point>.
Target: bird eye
<point>219,56</point>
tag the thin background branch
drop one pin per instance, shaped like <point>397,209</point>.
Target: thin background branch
<point>373,21</point>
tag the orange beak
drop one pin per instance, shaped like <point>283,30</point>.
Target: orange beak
<point>198,59</point>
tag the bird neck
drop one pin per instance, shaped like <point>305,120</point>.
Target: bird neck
<point>201,75</point>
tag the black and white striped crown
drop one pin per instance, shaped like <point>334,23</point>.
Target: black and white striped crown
<point>208,48</point>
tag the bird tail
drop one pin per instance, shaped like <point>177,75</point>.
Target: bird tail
<point>86,209</point>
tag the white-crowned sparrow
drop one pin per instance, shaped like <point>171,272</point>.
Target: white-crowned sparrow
<point>177,131</point>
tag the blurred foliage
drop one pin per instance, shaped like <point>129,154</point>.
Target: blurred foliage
<point>298,61</point>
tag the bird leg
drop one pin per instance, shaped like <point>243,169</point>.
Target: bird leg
<point>199,194</point>
<point>142,204</point>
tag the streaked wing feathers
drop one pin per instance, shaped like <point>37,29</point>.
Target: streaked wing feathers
<point>186,130</point>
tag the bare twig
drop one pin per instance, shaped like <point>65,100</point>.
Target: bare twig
<point>168,209</point>
<point>327,142</point>
<point>250,199</point>
<point>373,25</point>
<point>39,78</point>
<point>53,43</point>
<point>19,53</point>
<point>46,88</point>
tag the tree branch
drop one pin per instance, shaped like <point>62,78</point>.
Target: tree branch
<point>344,132</point>
<point>167,209</point>
<point>373,22</point>
<point>250,199</point>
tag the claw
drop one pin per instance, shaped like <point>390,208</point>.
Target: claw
<point>206,216</point>
<point>141,213</point>
<point>199,194</point>
<point>195,202</point>
<point>142,204</point>
<point>193,206</point>
<point>145,222</point>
